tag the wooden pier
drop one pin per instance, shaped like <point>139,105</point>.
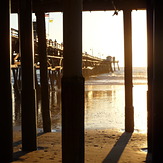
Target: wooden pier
<point>72,65</point>
<point>91,65</point>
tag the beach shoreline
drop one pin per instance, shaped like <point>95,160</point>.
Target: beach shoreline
<point>104,109</point>
<point>101,145</point>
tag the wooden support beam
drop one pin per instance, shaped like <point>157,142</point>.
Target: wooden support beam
<point>6,137</point>
<point>157,82</point>
<point>129,110</point>
<point>41,33</point>
<point>72,84</point>
<point>88,5</point>
<point>150,73</point>
<point>28,101</point>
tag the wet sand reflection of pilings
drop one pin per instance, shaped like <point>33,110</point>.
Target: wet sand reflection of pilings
<point>55,109</point>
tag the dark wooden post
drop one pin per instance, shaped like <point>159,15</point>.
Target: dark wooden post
<point>28,102</point>
<point>150,73</point>
<point>41,33</point>
<point>72,84</point>
<point>5,85</point>
<point>129,110</point>
<point>114,63</point>
<point>157,83</point>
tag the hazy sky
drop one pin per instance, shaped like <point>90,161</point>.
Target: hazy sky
<point>103,34</point>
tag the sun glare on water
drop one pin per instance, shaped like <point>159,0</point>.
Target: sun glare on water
<point>103,36</point>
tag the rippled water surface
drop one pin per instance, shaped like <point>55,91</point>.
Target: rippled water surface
<point>104,106</point>
<point>104,102</point>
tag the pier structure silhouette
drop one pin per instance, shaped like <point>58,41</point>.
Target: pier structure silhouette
<point>72,81</point>
<point>91,65</point>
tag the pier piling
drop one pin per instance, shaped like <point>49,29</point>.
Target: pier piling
<point>6,137</point>
<point>28,94</point>
<point>41,33</point>
<point>129,109</point>
<point>150,74</point>
<point>157,82</point>
<point>72,84</point>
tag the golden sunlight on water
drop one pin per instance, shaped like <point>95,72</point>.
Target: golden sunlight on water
<point>104,106</point>
<point>140,107</point>
<point>104,103</point>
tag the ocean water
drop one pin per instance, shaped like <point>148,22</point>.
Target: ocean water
<point>104,102</point>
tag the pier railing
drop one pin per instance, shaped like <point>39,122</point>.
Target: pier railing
<point>91,65</point>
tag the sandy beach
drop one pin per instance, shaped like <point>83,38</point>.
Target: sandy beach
<point>101,146</point>
<point>104,108</point>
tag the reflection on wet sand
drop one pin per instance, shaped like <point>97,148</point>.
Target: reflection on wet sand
<point>16,110</point>
<point>104,107</point>
<point>55,104</point>
<point>55,110</point>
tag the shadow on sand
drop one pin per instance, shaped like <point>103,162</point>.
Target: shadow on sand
<point>18,154</point>
<point>116,152</point>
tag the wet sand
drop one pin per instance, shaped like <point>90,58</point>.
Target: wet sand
<point>101,146</point>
